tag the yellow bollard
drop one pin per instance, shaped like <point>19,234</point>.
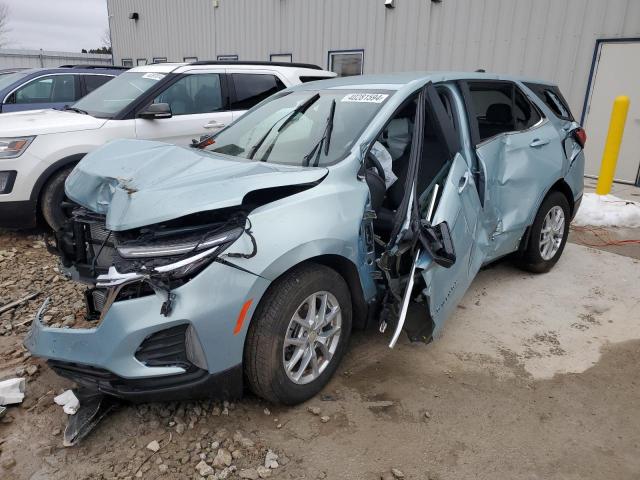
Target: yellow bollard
<point>612,145</point>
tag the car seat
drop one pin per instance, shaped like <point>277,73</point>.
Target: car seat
<point>498,119</point>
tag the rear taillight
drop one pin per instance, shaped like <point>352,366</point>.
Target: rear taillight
<point>580,136</point>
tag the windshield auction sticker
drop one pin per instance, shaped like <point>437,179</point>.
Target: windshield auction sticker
<point>365,97</point>
<point>153,76</point>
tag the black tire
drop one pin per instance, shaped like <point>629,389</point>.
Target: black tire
<point>531,258</point>
<point>52,198</point>
<point>263,352</point>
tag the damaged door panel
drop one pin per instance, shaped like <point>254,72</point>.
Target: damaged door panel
<point>512,139</point>
<point>446,286</point>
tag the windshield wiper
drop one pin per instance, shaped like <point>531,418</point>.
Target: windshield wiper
<point>325,140</point>
<point>77,110</point>
<point>303,107</point>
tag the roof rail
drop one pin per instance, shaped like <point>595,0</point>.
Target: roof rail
<point>109,67</point>
<point>257,62</point>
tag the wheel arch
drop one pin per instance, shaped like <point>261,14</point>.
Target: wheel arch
<point>50,171</point>
<point>560,186</point>
<point>346,269</point>
<point>563,187</point>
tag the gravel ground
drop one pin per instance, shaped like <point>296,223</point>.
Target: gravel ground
<point>535,377</point>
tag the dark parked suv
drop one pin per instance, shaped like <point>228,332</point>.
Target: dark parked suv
<point>33,89</point>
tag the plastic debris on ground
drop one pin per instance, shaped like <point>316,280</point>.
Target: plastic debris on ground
<point>69,402</point>
<point>12,391</point>
<point>607,211</point>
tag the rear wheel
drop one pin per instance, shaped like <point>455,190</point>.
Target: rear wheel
<point>298,335</point>
<point>54,204</point>
<point>548,235</point>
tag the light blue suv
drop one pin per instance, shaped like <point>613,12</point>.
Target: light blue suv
<point>328,206</point>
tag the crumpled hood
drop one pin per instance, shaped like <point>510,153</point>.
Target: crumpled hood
<point>43,122</point>
<point>137,183</point>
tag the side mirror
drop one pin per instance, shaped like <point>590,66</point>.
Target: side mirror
<point>437,241</point>
<point>156,111</point>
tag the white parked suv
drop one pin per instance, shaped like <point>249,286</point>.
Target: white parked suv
<point>173,103</point>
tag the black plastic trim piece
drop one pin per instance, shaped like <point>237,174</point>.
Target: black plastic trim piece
<point>18,215</point>
<point>10,181</point>
<point>193,384</point>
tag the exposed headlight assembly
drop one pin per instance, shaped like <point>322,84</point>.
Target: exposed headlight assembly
<point>180,258</point>
<point>169,249</point>
<point>14,147</point>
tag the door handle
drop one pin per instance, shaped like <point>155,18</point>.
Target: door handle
<point>214,124</point>
<point>538,142</point>
<point>464,181</point>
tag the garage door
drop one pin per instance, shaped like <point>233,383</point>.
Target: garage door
<point>617,72</point>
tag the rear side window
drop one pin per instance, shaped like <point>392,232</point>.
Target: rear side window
<point>501,107</point>
<point>251,89</point>
<point>492,103</point>
<point>91,82</point>
<point>553,99</point>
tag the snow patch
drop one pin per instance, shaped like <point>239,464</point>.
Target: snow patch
<point>607,211</point>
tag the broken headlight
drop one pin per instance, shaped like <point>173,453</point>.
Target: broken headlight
<point>176,257</point>
<point>169,248</point>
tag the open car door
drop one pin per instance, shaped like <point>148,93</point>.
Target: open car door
<point>431,257</point>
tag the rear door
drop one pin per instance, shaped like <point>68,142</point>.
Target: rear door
<point>199,106</point>
<point>520,156</point>
<point>48,91</point>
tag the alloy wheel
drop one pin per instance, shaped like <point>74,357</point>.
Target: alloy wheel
<point>552,233</point>
<point>312,337</point>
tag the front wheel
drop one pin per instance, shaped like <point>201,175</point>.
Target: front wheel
<point>54,204</point>
<point>298,335</point>
<point>549,234</point>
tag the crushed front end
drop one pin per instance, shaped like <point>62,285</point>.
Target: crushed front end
<point>164,305</point>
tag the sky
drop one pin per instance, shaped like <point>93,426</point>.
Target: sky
<point>62,25</point>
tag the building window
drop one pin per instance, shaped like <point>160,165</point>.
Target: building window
<point>228,58</point>
<point>346,62</point>
<point>141,61</point>
<point>190,59</point>
<point>159,59</point>
<point>127,62</point>
<point>281,57</point>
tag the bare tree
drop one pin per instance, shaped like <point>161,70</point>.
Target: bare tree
<point>4,24</point>
<point>106,38</point>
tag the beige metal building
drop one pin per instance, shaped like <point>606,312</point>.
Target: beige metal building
<point>565,41</point>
